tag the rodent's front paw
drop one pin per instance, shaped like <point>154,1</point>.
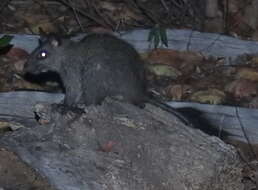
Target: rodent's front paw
<point>43,112</point>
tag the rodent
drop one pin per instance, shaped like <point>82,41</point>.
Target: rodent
<point>98,66</point>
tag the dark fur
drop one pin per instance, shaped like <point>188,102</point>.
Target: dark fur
<point>100,65</point>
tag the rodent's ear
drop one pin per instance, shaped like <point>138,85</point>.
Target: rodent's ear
<point>51,39</point>
<point>55,41</point>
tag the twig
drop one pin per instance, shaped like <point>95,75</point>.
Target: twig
<point>177,4</point>
<point>6,2</point>
<point>103,17</point>
<point>211,44</point>
<point>76,16</point>
<point>239,11</point>
<point>164,5</point>
<point>189,41</point>
<point>145,11</point>
<point>86,14</point>
<point>226,17</point>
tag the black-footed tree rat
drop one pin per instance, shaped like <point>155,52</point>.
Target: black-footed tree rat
<point>99,66</point>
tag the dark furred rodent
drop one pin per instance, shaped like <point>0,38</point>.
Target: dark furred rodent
<point>98,66</point>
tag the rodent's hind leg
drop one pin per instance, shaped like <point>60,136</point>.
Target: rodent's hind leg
<point>140,105</point>
<point>64,109</point>
<point>45,113</point>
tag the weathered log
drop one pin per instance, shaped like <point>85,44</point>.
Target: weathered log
<point>19,105</point>
<point>119,146</point>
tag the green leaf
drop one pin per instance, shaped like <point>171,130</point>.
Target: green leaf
<point>163,36</point>
<point>156,39</point>
<point>5,40</point>
<point>151,34</point>
<point>158,35</point>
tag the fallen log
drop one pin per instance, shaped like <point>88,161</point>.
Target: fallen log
<point>120,146</point>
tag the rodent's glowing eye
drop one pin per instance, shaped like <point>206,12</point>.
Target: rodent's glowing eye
<point>42,54</point>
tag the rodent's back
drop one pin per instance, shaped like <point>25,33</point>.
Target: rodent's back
<point>111,67</point>
<point>110,48</point>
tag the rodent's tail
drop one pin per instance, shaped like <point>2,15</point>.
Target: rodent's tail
<point>199,121</point>
<point>192,118</point>
<point>171,110</point>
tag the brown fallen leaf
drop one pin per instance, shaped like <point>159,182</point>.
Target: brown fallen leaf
<point>20,83</point>
<point>254,59</point>
<point>16,58</point>
<point>119,12</point>
<point>40,21</point>
<point>247,73</point>
<point>163,71</point>
<point>253,103</point>
<point>10,125</point>
<point>182,61</point>
<point>178,91</point>
<point>19,65</point>
<point>17,53</point>
<point>210,96</point>
<point>242,88</point>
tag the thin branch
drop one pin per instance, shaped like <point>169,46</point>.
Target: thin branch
<point>145,11</point>
<point>101,15</point>
<point>164,5</point>
<point>76,16</point>
<point>5,3</point>
<point>98,21</point>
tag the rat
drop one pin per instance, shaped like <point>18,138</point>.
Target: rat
<point>98,66</point>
